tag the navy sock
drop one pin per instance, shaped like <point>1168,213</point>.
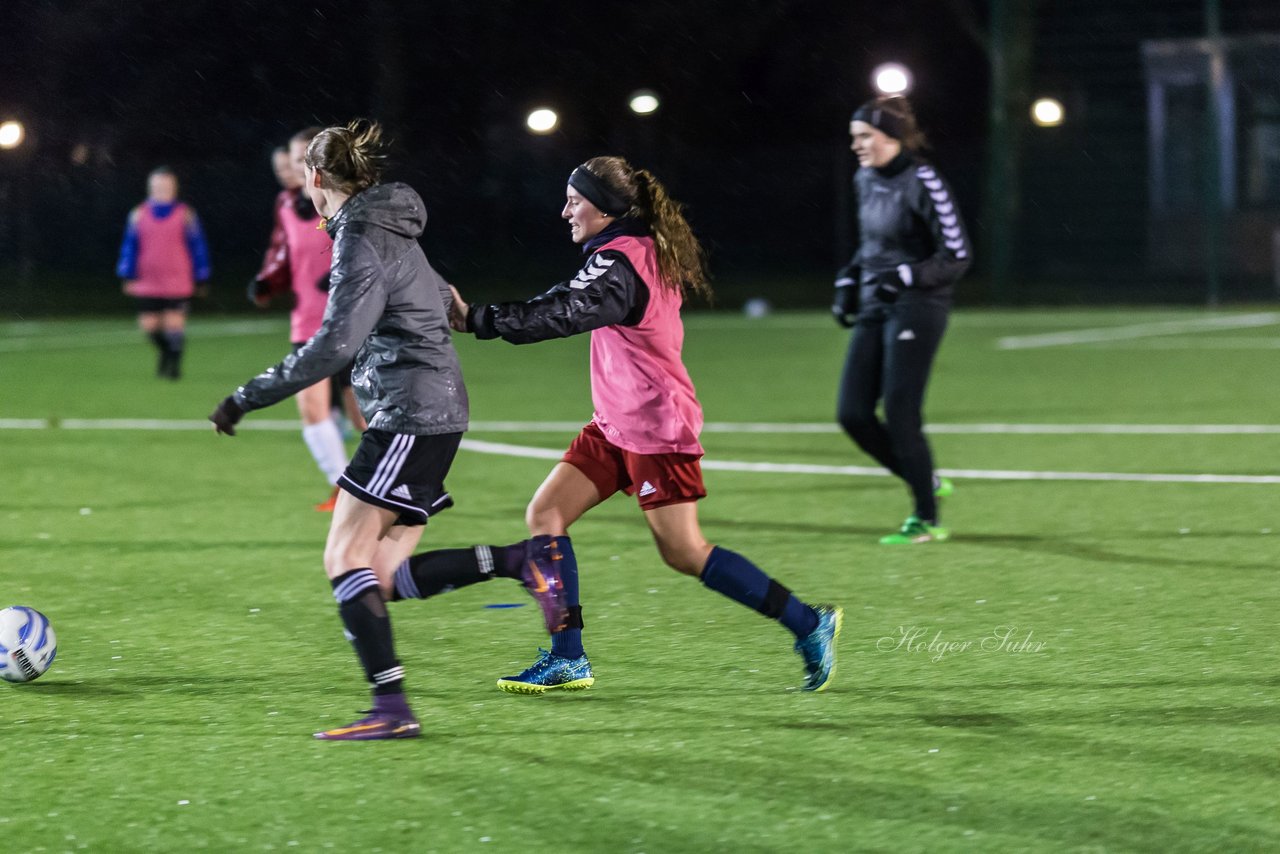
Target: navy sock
<point>732,575</point>
<point>368,626</point>
<point>566,643</point>
<point>432,573</point>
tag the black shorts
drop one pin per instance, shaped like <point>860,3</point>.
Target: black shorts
<point>339,381</point>
<point>402,473</point>
<point>147,305</point>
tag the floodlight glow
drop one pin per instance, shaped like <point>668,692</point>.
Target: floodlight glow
<point>644,102</point>
<point>891,79</point>
<point>542,120</point>
<point>11,134</point>
<point>1047,112</point>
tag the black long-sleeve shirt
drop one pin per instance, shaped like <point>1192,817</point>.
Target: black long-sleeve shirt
<point>607,291</point>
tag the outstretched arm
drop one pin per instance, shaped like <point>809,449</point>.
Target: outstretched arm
<point>607,291</point>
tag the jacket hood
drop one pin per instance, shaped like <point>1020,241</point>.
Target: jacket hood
<point>395,207</point>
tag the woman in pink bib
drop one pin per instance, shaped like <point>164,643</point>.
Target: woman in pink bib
<point>162,257</point>
<point>641,259</point>
<point>297,263</point>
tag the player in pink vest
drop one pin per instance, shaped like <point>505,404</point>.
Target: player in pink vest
<point>162,257</point>
<point>297,262</point>
<point>642,258</point>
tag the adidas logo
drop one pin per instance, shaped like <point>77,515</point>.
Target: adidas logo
<point>402,491</point>
<point>906,335</point>
<point>647,488</point>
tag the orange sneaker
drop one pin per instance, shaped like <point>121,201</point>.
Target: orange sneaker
<point>328,505</point>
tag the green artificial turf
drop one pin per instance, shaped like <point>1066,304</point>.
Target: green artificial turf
<point>1086,666</point>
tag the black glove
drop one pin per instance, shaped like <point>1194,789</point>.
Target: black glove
<point>257,291</point>
<point>844,304</point>
<point>227,416</point>
<point>322,285</point>
<point>888,286</point>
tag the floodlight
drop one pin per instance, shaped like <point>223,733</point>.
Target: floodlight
<point>11,134</point>
<point>542,120</point>
<point>891,79</point>
<point>1047,112</point>
<point>643,102</point>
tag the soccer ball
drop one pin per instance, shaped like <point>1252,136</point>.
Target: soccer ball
<point>27,644</point>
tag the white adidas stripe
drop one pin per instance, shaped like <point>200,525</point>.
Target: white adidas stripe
<point>389,466</point>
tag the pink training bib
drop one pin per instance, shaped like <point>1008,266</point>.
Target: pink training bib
<point>644,400</point>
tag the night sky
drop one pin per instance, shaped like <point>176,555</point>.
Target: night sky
<point>205,77</point>
<point>756,98</point>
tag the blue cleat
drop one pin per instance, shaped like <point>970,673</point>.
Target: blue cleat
<point>540,575</point>
<point>818,649</point>
<point>376,727</point>
<point>551,673</point>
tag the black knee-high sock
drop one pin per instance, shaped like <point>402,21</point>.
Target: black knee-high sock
<point>432,573</point>
<point>364,615</point>
<point>176,342</point>
<point>160,340</point>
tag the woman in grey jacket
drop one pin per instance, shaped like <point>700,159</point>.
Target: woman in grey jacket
<point>389,308</point>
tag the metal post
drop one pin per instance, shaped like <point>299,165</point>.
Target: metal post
<point>1214,114</point>
<point>999,143</point>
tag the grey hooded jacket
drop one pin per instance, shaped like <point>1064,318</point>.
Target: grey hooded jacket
<point>388,309</point>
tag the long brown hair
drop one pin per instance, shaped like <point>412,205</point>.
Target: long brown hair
<point>349,158</point>
<point>682,262</point>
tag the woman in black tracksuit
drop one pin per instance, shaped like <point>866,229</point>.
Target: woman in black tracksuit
<point>912,249</point>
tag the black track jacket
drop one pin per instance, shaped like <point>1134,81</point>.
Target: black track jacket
<point>907,215</point>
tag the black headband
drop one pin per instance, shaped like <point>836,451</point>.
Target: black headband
<point>881,119</point>
<point>596,191</point>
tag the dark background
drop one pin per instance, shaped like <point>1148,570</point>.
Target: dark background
<point>752,132</point>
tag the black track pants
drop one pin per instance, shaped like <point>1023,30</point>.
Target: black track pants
<point>889,359</point>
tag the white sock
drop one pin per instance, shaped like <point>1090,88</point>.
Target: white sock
<point>324,440</point>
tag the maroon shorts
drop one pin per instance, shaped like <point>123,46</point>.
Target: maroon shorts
<point>657,479</point>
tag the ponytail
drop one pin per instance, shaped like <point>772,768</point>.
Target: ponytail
<point>682,262</point>
<point>349,158</point>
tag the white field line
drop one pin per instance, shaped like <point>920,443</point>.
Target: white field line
<point>506,450</point>
<point>953,429</point>
<point>1200,343</point>
<point>711,427</point>
<point>22,341</point>
<point>1138,330</point>
<point>524,451</point>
